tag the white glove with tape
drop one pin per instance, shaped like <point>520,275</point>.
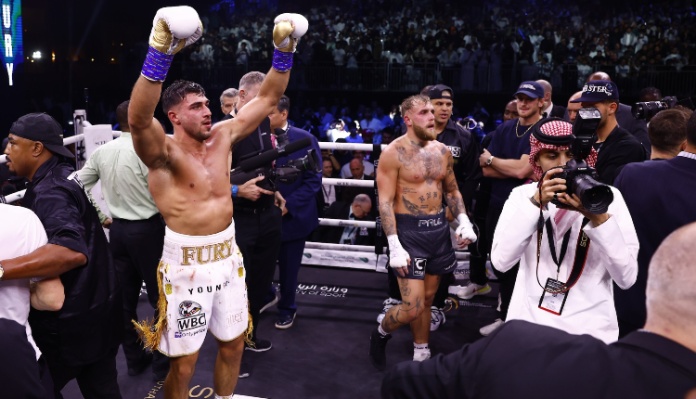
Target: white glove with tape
<point>398,257</point>
<point>465,231</point>
<point>173,28</point>
<point>288,30</point>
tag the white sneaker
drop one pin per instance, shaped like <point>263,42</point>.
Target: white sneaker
<point>487,330</point>
<point>469,291</point>
<point>421,354</point>
<point>387,304</point>
<point>437,318</point>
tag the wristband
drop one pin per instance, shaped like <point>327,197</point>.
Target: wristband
<point>282,61</point>
<point>156,65</point>
<point>235,190</point>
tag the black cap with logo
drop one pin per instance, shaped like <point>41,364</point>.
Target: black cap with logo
<point>43,128</point>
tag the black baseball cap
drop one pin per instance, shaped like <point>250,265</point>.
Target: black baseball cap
<point>440,91</point>
<point>531,89</point>
<point>596,91</point>
<point>39,126</point>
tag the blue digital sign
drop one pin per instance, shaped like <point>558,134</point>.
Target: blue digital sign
<point>11,47</point>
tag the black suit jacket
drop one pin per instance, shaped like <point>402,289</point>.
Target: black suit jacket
<point>347,193</point>
<point>660,197</point>
<point>525,360</point>
<point>637,127</point>
<point>619,149</point>
<point>254,144</point>
<point>331,234</point>
<point>558,111</point>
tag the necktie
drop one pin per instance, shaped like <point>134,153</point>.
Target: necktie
<point>348,236</point>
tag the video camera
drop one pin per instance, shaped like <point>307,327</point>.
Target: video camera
<point>648,109</point>
<point>288,173</point>
<point>581,179</point>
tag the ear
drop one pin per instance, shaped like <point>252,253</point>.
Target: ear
<point>37,149</point>
<point>173,117</point>
<point>682,147</point>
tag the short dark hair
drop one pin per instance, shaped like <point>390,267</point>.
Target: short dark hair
<point>650,93</point>
<point>122,116</point>
<point>283,103</point>
<point>690,129</point>
<point>667,129</point>
<point>177,91</point>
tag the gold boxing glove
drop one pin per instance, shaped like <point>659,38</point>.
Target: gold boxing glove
<point>288,29</point>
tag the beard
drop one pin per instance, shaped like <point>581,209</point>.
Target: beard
<point>424,134</point>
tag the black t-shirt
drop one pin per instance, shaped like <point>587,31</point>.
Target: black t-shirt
<point>509,141</point>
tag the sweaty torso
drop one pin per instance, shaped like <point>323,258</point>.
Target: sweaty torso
<point>193,191</point>
<point>422,170</point>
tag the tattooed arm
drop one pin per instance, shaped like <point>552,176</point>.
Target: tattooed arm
<point>387,181</point>
<point>387,175</point>
<point>465,232</point>
<point>453,197</point>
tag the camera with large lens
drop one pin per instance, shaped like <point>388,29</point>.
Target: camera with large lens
<point>648,109</point>
<point>287,173</point>
<point>581,179</point>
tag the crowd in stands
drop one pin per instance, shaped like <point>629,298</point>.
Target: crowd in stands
<point>624,38</point>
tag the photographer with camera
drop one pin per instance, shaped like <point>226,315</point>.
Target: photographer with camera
<point>300,218</point>
<point>257,214</point>
<point>615,145</point>
<point>570,245</point>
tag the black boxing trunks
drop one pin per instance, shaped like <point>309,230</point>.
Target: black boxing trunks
<point>427,240</point>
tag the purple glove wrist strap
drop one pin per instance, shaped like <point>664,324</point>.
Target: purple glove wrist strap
<point>282,61</point>
<point>156,65</point>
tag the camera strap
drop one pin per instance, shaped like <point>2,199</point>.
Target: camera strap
<point>582,247</point>
<point>564,245</point>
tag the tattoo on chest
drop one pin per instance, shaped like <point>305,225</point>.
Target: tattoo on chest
<point>428,163</point>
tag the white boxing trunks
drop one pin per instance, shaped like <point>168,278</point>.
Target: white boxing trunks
<point>202,287</point>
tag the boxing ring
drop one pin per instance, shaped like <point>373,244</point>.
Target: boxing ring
<point>88,137</point>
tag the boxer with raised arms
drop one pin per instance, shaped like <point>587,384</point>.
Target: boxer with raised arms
<point>201,274</point>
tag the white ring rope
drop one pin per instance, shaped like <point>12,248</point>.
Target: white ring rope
<point>326,254</point>
<point>323,145</point>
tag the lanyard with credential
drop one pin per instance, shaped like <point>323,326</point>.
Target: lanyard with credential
<point>580,254</point>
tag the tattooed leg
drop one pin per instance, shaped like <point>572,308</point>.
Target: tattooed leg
<point>412,305</point>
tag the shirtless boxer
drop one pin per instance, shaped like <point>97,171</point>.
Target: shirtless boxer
<point>415,172</point>
<point>201,273</point>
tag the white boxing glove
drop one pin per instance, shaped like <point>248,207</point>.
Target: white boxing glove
<point>398,257</point>
<point>465,230</point>
<point>175,28</point>
<point>288,29</point>
<point>172,29</point>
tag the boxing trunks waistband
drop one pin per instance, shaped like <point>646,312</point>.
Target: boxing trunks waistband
<point>186,250</point>
<point>156,216</point>
<point>421,222</point>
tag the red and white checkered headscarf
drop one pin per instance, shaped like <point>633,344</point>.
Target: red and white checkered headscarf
<point>555,128</point>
